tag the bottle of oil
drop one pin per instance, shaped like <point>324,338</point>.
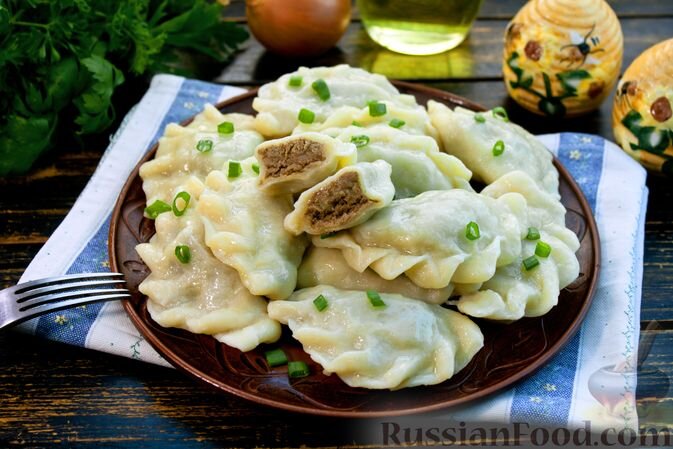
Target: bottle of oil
<point>418,27</point>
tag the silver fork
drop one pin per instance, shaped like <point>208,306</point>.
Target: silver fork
<point>31,299</point>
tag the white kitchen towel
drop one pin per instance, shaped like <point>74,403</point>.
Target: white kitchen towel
<point>568,391</point>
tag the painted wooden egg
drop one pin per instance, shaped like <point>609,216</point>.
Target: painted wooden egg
<point>562,57</point>
<point>642,115</point>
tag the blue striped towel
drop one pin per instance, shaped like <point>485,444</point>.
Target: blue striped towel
<point>563,393</point>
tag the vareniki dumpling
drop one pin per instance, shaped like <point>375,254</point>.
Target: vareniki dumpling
<point>417,164</point>
<point>244,229</point>
<point>195,150</point>
<point>403,343</point>
<point>278,103</point>
<point>324,266</point>
<point>203,295</point>
<point>426,238</point>
<point>514,292</point>
<point>472,137</point>
<point>343,200</point>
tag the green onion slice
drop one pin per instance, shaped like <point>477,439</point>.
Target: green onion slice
<point>356,123</point>
<point>204,145</point>
<point>397,123</point>
<point>183,254</point>
<point>297,369</point>
<point>472,231</point>
<point>225,128</point>
<point>275,357</point>
<point>156,208</point>
<point>320,303</point>
<point>185,197</point>
<point>375,299</point>
<point>321,89</point>
<point>530,263</point>
<point>542,249</point>
<point>296,80</point>
<point>360,141</point>
<point>234,170</point>
<point>377,109</point>
<point>500,113</point>
<point>498,148</point>
<point>306,116</point>
<point>255,167</point>
<point>533,234</point>
<point>479,118</point>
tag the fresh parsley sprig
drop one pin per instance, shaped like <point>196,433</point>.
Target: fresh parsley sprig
<point>61,62</point>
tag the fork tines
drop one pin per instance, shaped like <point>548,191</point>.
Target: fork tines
<point>94,286</point>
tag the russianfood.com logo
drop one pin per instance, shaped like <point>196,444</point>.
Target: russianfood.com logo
<point>521,434</point>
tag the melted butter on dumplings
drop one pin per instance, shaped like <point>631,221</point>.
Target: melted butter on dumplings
<point>404,344</point>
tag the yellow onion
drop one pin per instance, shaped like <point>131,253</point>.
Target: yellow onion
<point>298,27</point>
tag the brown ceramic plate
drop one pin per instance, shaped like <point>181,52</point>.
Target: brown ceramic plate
<point>511,351</point>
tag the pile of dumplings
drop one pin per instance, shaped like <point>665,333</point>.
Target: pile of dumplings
<point>343,188</point>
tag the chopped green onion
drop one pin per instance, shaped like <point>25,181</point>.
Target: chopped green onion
<point>360,141</point>
<point>296,80</point>
<point>156,208</point>
<point>498,148</point>
<point>234,170</point>
<point>500,113</point>
<point>533,234</point>
<point>530,263</point>
<point>479,118</point>
<point>306,116</point>
<point>185,197</point>
<point>472,231</point>
<point>255,167</point>
<point>183,254</point>
<point>356,123</point>
<point>397,123</point>
<point>377,109</point>
<point>321,89</point>
<point>542,249</point>
<point>320,303</point>
<point>297,369</point>
<point>328,235</point>
<point>225,128</point>
<point>204,145</point>
<point>375,299</point>
<point>275,357</point>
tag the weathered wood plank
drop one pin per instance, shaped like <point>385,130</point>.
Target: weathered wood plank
<point>479,57</point>
<point>51,394</point>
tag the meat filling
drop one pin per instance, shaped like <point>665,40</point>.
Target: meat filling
<point>337,203</point>
<point>290,157</point>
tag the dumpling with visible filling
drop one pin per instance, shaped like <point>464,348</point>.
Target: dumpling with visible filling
<point>293,164</point>
<point>278,103</point>
<point>345,199</point>
<point>426,238</point>
<point>404,343</point>
<point>244,229</point>
<point>472,137</point>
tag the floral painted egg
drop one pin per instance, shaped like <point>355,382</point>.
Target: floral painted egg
<point>642,116</point>
<point>562,57</point>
